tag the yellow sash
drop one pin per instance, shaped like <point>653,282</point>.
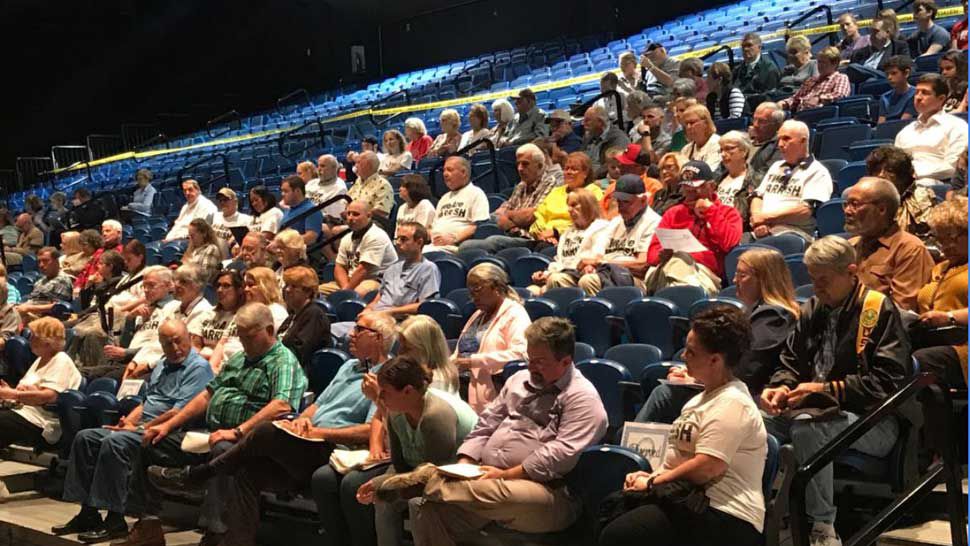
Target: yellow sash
<point>868,319</point>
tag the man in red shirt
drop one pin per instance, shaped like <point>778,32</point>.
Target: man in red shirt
<point>715,225</point>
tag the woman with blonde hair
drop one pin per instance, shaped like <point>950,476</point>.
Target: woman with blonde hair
<point>585,239</point>
<point>396,157</point>
<point>27,422</point>
<point>702,137</point>
<point>503,113</point>
<point>447,142</point>
<point>669,195</point>
<point>421,338</point>
<point>417,136</point>
<point>261,285</point>
<point>495,333</point>
<point>801,66</point>
<point>765,287</point>
<point>478,121</point>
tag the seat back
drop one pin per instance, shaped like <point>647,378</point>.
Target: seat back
<point>445,313</point>
<point>583,351</point>
<point>524,266</point>
<point>786,243</point>
<point>564,296</point>
<point>347,310</point>
<point>651,375</point>
<point>323,367</point>
<point>635,356</point>
<point>18,357</point>
<point>540,307</point>
<point>682,296</point>
<point>102,384</point>
<point>453,274</point>
<point>848,176</point>
<point>606,375</point>
<point>830,218</point>
<point>648,321</point>
<point>589,316</point>
<point>620,296</point>
<point>463,300</point>
<point>601,470</point>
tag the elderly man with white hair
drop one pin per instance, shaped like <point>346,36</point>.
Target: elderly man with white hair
<point>196,206</point>
<point>765,122</point>
<point>891,260</point>
<point>458,211</point>
<point>791,189</point>
<point>599,136</point>
<point>372,188</point>
<point>517,213</point>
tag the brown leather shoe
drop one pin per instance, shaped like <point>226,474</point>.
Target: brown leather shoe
<point>145,532</point>
<point>212,539</point>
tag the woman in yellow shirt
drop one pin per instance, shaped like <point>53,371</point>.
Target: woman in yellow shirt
<point>943,301</point>
<point>552,214</point>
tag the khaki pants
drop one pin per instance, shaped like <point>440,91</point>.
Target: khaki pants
<point>365,287</point>
<point>555,280</point>
<point>682,270</point>
<point>452,510</point>
<point>591,284</point>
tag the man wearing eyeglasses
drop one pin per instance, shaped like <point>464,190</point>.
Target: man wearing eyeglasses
<point>285,455</point>
<point>786,199</point>
<point>410,280</point>
<point>757,75</point>
<point>891,260</point>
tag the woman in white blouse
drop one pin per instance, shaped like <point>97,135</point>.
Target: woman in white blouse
<point>23,419</point>
<point>447,142</point>
<point>266,215</point>
<point>701,136</point>
<point>416,205</point>
<point>478,120</point>
<point>503,113</point>
<point>586,239</point>
<point>395,157</point>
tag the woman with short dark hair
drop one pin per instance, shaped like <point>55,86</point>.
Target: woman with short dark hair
<point>416,203</point>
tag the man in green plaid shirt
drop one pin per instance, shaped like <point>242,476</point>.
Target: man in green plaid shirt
<point>259,384</point>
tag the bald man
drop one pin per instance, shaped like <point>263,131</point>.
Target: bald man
<point>104,471</point>
<point>372,188</point>
<point>891,260</point>
<point>363,256</point>
<point>327,186</point>
<point>29,240</point>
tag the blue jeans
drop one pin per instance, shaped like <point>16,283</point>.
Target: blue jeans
<point>665,403</point>
<point>807,437</point>
<point>105,471</point>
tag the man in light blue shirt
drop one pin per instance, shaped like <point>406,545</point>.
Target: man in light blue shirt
<point>144,196</point>
<point>412,279</point>
<point>293,192</point>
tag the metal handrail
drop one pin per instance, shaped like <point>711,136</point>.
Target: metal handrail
<point>179,178</point>
<point>160,138</point>
<point>321,132</point>
<point>290,95</point>
<point>127,137</point>
<point>87,152</point>
<point>833,37</point>
<point>950,469</point>
<point>231,115</point>
<point>92,145</point>
<point>577,111</point>
<point>725,47</point>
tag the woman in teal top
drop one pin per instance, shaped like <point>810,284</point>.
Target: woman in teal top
<point>424,425</point>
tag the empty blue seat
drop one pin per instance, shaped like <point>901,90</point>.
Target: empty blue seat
<point>540,307</point>
<point>848,176</point>
<point>463,300</point>
<point>620,296</point>
<point>798,269</point>
<point>830,218</point>
<point>446,313</point>
<point>682,296</point>
<point>564,296</point>
<point>323,367</point>
<point>606,375</point>
<point>635,356</point>
<point>583,351</point>
<point>786,243</point>
<point>524,266</point>
<point>648,321</point>
<point>889,129</point>
<point>832,143</point>
<point>817,114</point>
<point>453,274</point>
<point>590,317</point>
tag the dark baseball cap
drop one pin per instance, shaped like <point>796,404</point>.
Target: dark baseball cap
<point>695,174</point>
<point>629,187</point>
<point>653,46</point>
<point>370,139</point>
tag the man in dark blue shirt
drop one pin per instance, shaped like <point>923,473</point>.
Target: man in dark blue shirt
<point>105,468</point>
<point>561,131</point>
<point>293,192</point>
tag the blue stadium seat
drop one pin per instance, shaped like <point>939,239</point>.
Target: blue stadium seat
<point>323,367</point>
<point>832,143</point>
<point>513,368</point>
<point>834,166</point>
<point>798,269</point>
<point>341,295</point>
<point>524,266</point>
<point>487,229</point>
<point>830,218</point>
<point>804,292</point>
<point>347,310</point>
<point>583,351</point>
<point>651,375</point>
<point>463,300</point>
<point>848,176</point>
<point>541,307</point>
<point>620,296</point>
<point>606,375</point>
<point>682,296</point>
<point>512,254</point>
<point>589,316</point>
<point>648,321</point>
<point>786,243</point>
<point>817,114</point>
<point>453,274</point>
<point>564,296</point>
<point>889,129</point>
<point>446,313</point>
<point>635,356</point>
<point>18,357</point>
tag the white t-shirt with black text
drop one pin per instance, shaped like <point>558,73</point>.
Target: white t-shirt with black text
<point>459,209</point>
<point>374,247</point>
<point>626,242</point>
<point>578,244</point>
<point>807,182</point>
<point>318,193</point>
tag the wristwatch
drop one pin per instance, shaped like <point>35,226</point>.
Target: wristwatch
<point>239,432</point>
<point>951,320</point>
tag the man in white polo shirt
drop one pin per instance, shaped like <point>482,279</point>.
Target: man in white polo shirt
<point>363,255</point>
<point>196,206</point>
<point>786,199</point>
<point>935,139</point>
<point>459,210</point>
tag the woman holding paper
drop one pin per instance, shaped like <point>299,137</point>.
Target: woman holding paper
<point>716,449</point>
<point>765,287</point>
<point>424,425</point>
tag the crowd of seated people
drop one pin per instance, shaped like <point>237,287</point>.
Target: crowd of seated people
<point>224,337</point>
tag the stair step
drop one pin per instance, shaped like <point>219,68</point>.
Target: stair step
<point>935,533</point>
<point>941,487</point>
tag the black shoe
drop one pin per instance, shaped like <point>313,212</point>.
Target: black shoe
<point>104,534</point>
<point>169,478</point>
<point>78,524</point>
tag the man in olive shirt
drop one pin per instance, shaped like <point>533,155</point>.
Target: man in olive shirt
<point>29,241</point>
<point>256,385</point>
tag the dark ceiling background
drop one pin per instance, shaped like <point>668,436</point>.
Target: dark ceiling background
<point>85,67</point>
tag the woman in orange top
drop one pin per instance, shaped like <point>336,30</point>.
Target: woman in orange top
<point>943,301</point>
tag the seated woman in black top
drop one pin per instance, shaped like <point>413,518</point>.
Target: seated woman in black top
<point>307,328</point>
<point>765,287</point>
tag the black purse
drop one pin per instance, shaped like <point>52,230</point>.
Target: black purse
<point>677,495</point>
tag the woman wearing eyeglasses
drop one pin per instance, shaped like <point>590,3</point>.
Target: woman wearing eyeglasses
<point>800,65</point>
<point>495,333</point>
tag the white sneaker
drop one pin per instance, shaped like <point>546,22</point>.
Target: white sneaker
<point>824,534</point>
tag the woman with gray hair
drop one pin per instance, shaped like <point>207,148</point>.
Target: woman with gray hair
<point>495,333</point>
<point>417,136</point>
<point>503,113</point>
<point>736,184</point>
<point>801,66</point>
<point>447,142</point>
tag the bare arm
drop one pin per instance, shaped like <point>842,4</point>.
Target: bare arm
<point>352,435</point>
<point>269,412</point>
<point>340,275</point>
<point>465,233</point>
<point>700,469</point>
<point>359,275</point>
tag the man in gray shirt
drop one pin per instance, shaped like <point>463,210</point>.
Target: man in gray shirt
<point>526,441</point>
<point>658,70</point>
<point>529,122</point>
<point>600,135</point>
<point>410,280</point>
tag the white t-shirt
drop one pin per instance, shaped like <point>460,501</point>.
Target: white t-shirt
<point>58,375</point>
<point>728,187</point>
<point>215,325</point>
<point>374,248</point>
<point>808,181</point>
<point>727,425</point>
<point>394,163</point>
<point>459,209</point>
<point>221,225</point>
<point>151,352</point>
<point>318,193</point>
<point>202,208</point>
<point>710,153</point>
<point>628,242</point>
<point>577,244</point>
<point>423,214</point>
<point>279,314</point>
<point>124,298</point>
<point>472,136</point>
<point>268,221</point>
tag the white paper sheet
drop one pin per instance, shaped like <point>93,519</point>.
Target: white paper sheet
<point>679,240</point>
<point>195,442</point>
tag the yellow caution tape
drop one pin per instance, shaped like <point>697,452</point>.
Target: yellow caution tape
<point>485,97</point>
